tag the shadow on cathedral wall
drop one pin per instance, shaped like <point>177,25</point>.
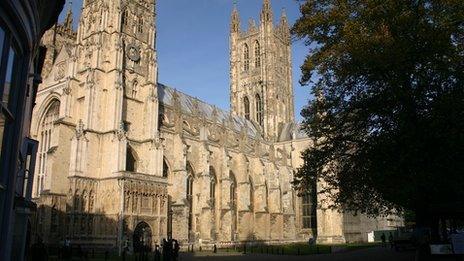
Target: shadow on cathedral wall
<point>58,229</point>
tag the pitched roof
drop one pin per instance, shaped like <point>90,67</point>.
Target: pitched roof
<point>192,105</point>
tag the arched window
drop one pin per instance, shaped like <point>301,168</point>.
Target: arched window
<point>252,194</point>
<point>233,190</point>
<point>259,109</point>
<point>165,169</point>
<point>77,201</point>
<point>246,105</point>
<point>190,177</point>
<point>212,186</point>
<point>309,208</point>
<point>233,203</point>
<point>257,55</point>
<point>246,58</point>
<point>46,132</point>
<point>140,25</point>
<point>135,87</point>
<point>131,160</point>
<point>125,17</point>
<point>266,195</point>
<point>306,209</point>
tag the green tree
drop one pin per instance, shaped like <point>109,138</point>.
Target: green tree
<point>388,117</point>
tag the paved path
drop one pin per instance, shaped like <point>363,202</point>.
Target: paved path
<point>369,254</point>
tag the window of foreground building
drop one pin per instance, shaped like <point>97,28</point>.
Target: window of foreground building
<point>9,69</point>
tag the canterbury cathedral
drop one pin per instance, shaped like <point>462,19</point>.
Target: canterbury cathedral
<point>124,158</point>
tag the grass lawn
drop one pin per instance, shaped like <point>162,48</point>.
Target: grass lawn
<point>304,249</point>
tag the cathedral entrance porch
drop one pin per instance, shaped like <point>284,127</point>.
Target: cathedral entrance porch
<point>142,238</point>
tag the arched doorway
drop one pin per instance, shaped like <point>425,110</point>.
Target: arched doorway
<point>142,237</point>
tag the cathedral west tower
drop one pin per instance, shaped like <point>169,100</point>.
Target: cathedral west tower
<point>261,87</point>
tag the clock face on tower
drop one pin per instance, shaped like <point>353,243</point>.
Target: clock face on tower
<point>133,52</point>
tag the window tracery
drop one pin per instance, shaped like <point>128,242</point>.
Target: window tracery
<point>257,55</point>
<point>46,133</point>
<point>246,58</point>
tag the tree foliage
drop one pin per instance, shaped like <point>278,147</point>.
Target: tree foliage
<point>388,118</point>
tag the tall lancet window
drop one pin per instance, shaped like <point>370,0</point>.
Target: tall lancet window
<point>233,190</point>
<point>233,204</point>
<point>131,160</point>
<point>257,55</point>
<point>252,195</point>
<point>246,57</point>
<point>135,87</point>
<point>45,142</point>
<point>190,176</point>
<point>125,17</point>
<point>259,110</point>
<point>246,105</point>
<point>140,25</point>
<point>212,187</point>
<point>165,169</point>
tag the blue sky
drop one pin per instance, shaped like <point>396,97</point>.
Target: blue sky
<point>193,45</point>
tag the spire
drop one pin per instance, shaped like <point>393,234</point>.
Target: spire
<point>266,13</point>
<point>68,21</point>
<point>283,16</point>
<point>235,19</point>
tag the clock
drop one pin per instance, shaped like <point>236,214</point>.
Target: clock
<point>133,52</point>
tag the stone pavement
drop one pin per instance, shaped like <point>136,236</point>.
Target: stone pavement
<point>369,254</point>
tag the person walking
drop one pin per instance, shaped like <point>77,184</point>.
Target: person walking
<point>390,240</point>
<point>176,250</point>
<point>384,239</point>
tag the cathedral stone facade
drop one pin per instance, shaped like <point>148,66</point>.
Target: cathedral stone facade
<point>125,159</point>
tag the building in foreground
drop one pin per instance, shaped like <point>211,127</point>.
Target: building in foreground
<point>124,158</point>
<point>22,23</point>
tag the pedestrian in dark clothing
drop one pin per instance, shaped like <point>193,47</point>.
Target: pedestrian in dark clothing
<point>384,239</point>
<point>176,249</point>
<point>167,246</point>
<point>157,253</point>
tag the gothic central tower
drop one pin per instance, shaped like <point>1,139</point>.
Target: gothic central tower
<point>261,72</point>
